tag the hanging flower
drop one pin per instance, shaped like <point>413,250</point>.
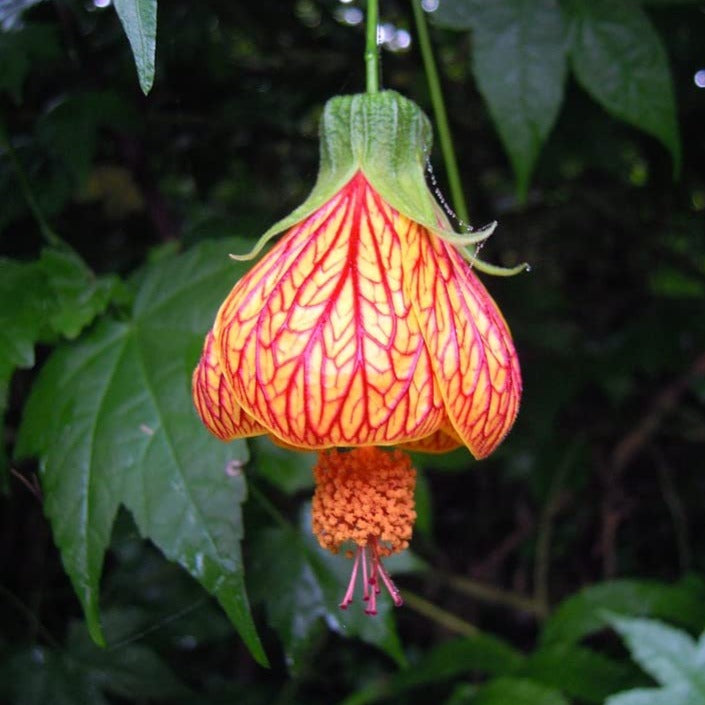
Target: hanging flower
<point>365,325</point>
<point>365,498</point>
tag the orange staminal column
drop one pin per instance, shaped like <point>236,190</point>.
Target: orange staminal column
<point>365,496</point>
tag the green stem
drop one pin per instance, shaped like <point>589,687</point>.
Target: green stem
<point>493,595</point>
<point>544,533</point>
<point>47,233</point>
<point>439,111</point>
<point>371,48</point>
<point>438,615</point>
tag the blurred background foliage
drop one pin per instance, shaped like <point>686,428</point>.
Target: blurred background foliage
<point>544,575</point>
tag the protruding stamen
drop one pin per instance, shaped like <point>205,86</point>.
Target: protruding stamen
<point>348,597</point>
<point>365,497</point>
<point>391,587</point>
<point>372,604</point>
<point>374,567</point>
<point>365,582</point>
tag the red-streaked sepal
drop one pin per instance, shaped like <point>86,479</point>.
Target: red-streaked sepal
<point>472,353</point>
<point>214,401</point>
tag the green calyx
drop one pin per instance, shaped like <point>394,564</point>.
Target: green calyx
<point>388,138</point>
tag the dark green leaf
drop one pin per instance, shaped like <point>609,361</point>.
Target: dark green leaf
<point>20,50</point>
<point>112,420</point>
<point>519,62</point>
<point>38,676</point>
<point>424,506</point>
<point>288,470</point>
<point>583,613</point>
<point>480,652</point>
<point>56,295</point>
<point>70,129</point>
<point>139,20</point>
<point>24,298</point>
<point>517,691</point>
<point>131,670</point>
<point>22,292</point>
<point>77,295</point>
<point>620,60</point>
<point>81,672</point>
<point>462,694</point>
<point>302,587</point>
<point>579,672</point>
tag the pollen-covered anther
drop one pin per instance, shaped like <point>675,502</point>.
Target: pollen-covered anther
<point>365,496</point>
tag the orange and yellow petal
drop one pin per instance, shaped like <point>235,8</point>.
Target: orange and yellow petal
<point>214,401</point>
<point>472,353</point>
<point>442,441</point>
<point>319,340</point>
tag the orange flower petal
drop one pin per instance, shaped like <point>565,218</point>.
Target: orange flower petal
<point>319,339</point>
<point>214,400</point>
<point>472,353</point>
<point>441,441</point>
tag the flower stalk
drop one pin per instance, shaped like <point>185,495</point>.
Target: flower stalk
<point>371,48</point>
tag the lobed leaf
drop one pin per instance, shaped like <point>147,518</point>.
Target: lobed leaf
<point>583,613</point>
<point>112,421</point>
<point>666,653</point>
<point>57,295</point>
<point>669,655</point>
<point>23,296</point>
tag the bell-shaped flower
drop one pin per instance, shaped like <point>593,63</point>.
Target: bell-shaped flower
<point>365,324</point>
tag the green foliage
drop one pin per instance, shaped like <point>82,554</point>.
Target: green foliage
<point>519,691</point>
<point>139,20</point>
<point>587,520</point>
<point>22,48</point>
<point>69,130</point>
<point>302,588</point>
<point>578,671</point>
<point>672,657</point>
<point>520,52</point>
<point>620,60</point>
<point>583,613</point>
<point>287,470</point>
<point>452,659</point>
<point>79,671</point>
<point>59,296</point>
<point>111,420</point>
<point>519,63</point>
